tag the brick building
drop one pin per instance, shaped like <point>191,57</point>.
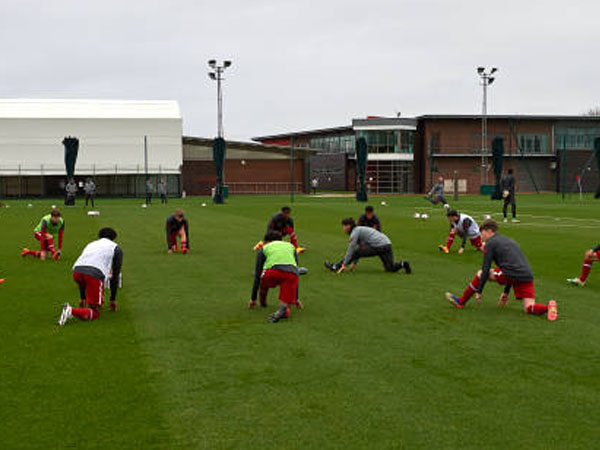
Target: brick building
<point>250,168</point>
<point>546,153</point>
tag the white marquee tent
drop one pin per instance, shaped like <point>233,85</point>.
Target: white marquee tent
<point>110,132</point>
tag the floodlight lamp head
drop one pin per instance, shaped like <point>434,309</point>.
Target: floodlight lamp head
<point>491,80</point>
<point>494,69</point>
<point>226,64</point>
<point>212,75</point>
<point>212,63</point>
<point>480,70</point>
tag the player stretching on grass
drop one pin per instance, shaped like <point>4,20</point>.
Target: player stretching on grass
<point>50,227</point>
<point>513,271</point>
<point>364,243</point>
<point>466,227</point>
<point>591,255</point>
<point>369,219</point>
<point>284,224</point>
<point>436,194</point>
<point>99,259</point>
<point>177,226</point>
<point>276,265</point>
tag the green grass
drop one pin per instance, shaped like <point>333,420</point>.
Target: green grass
<point>375,360</point>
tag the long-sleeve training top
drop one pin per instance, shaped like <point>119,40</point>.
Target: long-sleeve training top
<point>508,257</point>
<point>367,236</point>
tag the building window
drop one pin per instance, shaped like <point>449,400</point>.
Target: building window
<point>388,141</point>
<point>533,143</point>
<point>334,144</point>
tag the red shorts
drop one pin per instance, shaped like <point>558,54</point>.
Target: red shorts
<point>476,242</point>
<point>94,288</point>
<point>522,289</point>
<point>287,282</point>
<point>40,236</point>
<point>597,254</point>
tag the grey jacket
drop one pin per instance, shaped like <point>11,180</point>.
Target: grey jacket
<point>367,236</point>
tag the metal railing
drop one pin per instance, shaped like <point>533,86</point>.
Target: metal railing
<point>264,187</point>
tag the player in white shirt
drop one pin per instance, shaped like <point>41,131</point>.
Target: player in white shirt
<point>100,260</point>
<point>466,227</point>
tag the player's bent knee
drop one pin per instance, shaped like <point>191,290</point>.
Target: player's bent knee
<point>479,273</point>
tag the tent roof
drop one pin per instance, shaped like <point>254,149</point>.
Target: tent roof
<point>88,109</point>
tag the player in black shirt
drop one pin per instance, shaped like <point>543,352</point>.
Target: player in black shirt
<point>369,219</point>
<point>283,223</point>
<point>177,226</point>
<point>508,194</point>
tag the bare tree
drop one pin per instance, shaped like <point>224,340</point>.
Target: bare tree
<point>595,111</point>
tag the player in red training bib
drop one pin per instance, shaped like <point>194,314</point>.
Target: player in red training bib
<point>50,228</point>
<point>513,271</point>
<point>178,227</point>
<point>100,260</point>
<point>276,265</point>
<point>591,255</point>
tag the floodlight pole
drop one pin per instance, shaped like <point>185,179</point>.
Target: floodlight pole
<point>217,75</point>
<point>486,79</point>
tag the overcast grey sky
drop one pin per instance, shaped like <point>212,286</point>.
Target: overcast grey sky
<point>305,64</point>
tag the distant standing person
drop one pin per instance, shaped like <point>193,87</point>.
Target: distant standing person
<point>71,191</point>
<point>315,185</point>
<point>508,194</point>
<point>90,191</point>
<point>162,190</point>
<point>436,194</point>
<point>149,189</point>
<point>369,219</point>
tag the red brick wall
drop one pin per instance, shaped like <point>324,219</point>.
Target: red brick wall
<point>199,176</point>
<point>463,136</point>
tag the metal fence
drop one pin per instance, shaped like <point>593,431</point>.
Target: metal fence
<point>119,182</point>
<point>264,188</point>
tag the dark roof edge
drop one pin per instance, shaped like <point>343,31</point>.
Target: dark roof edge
<point>304,133</point>
<point>250,146</point>
<point>507,116</point>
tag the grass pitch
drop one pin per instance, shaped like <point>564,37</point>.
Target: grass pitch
<point>375,360</point>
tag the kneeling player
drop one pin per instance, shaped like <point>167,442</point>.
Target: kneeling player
<point>466,227</point>
<point>513,272</point>
<point>276,265</point>
<point>284,224</point>
<point>591,255</point>
<point>98,260</point>
<point>50,227</point>
<point>366,242</point>
<point>177,226</point>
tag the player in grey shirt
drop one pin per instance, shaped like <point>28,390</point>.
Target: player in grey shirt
<point>366,242</point>
<point>513,272</point>
<point>436,194</point>
<point>162,190</point>
<point>90,191</point>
